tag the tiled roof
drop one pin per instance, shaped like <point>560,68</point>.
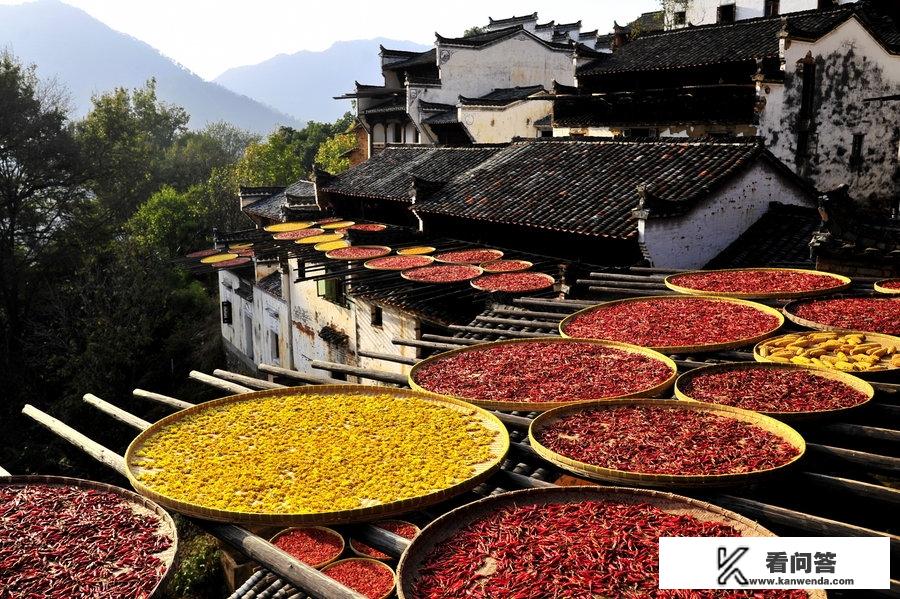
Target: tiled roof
<point>544,121</point>
<point>649,21</point>
<point>435,106</point>
<point>744,40</point>
<point>389,53</point>
<point>268,208</point>
<point>568,26</point>
<point>490,37</point>
<point>510,20</point>
<point>391,105</point>
<point>447,117</point>
<point>502,96</point>
<point>409,297</point>
<point>779,238</point>
<point>259,192</point>
<point>271,284</point>
<point>299,194</point>
<point>590,187</point>
<point>849,232</point>
<point>427,58</point>
<point>547,25</point>
<point>388,175</point>
<point>587,35</point>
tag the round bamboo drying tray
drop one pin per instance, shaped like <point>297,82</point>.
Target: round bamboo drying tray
<point>842,282</point>
<point>354,547</point>
<point>887,371</point>
<point>499,447</point>
<point>216,258</point>
<point>820,326</point>
<point>496,255</point>
<point>323,238</point>
<point>510,406</point>
<point>326,530</point>
<point>382,565</point>
<point>682,349</point>
<point>298,234</point>
<point>447,525</point>
<point>523,265</point>
<point>285,227</point>
<point>835,375</point>
<point>203,253</point>
<point>664,480</point>
<point>428,261</point>
<point>550,282</point>
<point>240,246</point>
<point>418,250</point>
<point>139,503</point>
<point>340,224</point>
<point>331,245</point>
<point>382,249</point>
<point>406,275</point>
<point>880,287</point>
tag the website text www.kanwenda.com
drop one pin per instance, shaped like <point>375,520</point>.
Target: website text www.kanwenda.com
<point>821,581</point>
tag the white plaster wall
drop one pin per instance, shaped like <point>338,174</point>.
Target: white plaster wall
<point>852,66</point>
<point>517,61</point>
<point>270,315</point>
<point>235,333</point>
<point>704,12</point>
<point>693,240</point>
<point>395,324</point>
<point>489,124</point>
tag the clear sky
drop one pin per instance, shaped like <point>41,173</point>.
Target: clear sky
<point>210,36</point>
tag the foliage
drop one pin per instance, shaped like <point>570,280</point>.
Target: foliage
<point>332,154</point>
<point>473,31</point>
<point>196,154</point>
<point>199,571</point>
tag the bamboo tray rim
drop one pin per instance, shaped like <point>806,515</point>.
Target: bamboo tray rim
<point>836,375</point>
<point>843,283</point>
<point>276,236</point>
<point>766,423</point>
<point>329,246</point>
<point>338,224</point>
<point>371,267</point>
<point>788,311</point>
<point>221,257</point>
<point>880,337</point>
<point>447,525</point>
<point>498,253</point>
<point>880,288</point>
<point>289,226</point>
<point>499,449</point>
<point>330,531</point>
<point>545,406</point>
<point>405,274</point>
<point>526,265</point>
<point>680,349</point>
<point>385,251</point>
<point>549,280</point>
<point>323,238</point>
<point>416,250</point>
<point>165,519</point>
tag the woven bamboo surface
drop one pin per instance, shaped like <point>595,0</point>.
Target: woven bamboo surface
<point>418,250</point>
<point>381,565</point>
<point>331,245</point>
<point>285,227</point>
<point>373,267</point>
<point>789,311</point>
<point>326,530</point>
<point>654,391</point>
<point>880,287</point>
<point>382,249</point>
<point>323,238</point>
<point>888,372</point>
<point>497,254</point>
<point>341,224</point>
<point>447,525</point>
<point>682,349</point>
<point>550,282</point>
<point>835,375</point>
<point>167,525</point>
<point>523,265</point>
<point>841,282</point>
<point>664,480</point>
<point>499,448</point>
<point>405,274</point>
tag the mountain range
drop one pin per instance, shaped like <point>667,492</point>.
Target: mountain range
<point>87,57</point>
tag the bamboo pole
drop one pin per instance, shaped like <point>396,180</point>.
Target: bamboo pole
<point>116,412</point>
<point>425,344</point>
<point>249,381</point>
<point>866,432</point>
<point>856,487</point>
<point>457,341</point>
<point>567,305</point>
<point>612,276</point>
<point>528,313</point>
<point>626,285</point>
<point>512,420</point>
<point>869,460</point>
<point>254,547</point>
<point>365,373</point>
<point>296,375</point>
<point>615,291</point>
<point>219,383</point>
<point>386,357</point>
<point>531,324</point>
<point>163,399</point>
<point>497,332</point>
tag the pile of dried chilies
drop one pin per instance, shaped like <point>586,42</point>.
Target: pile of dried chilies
<point>869,314</point>
<point>750,281</point>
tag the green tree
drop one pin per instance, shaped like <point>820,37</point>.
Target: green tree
<point>126,138</point>
<point>41,176</point>
<point>332,154</point>
<point>196,154</point>
<point>473,31</point>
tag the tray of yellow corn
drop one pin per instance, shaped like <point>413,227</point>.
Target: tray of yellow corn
<point>315,455</point>
<point>863,354</point>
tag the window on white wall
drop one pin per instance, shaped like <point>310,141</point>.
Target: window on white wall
<point>274,350</point>
<point>377,316</point>
<point>378,133</point>
<point>679,18</point>
<point>727,13</point>
<point>773,8</point>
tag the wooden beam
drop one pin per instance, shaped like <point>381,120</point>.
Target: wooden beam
<point>296,375</point>
<point>861,458</point>
<point>525,482</point>
<point>162,399</point>
<point>497,332</point>
<point>219,383</point>
<point>249,381</point>
<point>365,373</point>
<point>386,357</point>
<point>855,487</point>
<point>614,276</point>
<point>310,580</point>
<point>425,344</point>
<point>531,324</point>
<point>864,432</point>
<point>513,421</point>
<point>626,285</point>
<point>116,412</point>
<point>615,291</point>
<point>567,305</point>
<point>381,539</point>
<point>551,316</point>
<point>457,341</point>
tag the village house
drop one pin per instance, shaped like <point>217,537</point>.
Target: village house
<point>686,13</point>
<point>810,83</point>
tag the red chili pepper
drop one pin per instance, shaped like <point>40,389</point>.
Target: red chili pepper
<point>869,314</point>
<point>447,273</point>
<point>756,281</point>
<point>371,579</point>
<point>313,546</point>
<point>361,252</point>
<point>300,234</point>
<point>398,527</point>
<point>399,262</point>
<point>469,256</point>
<point>514,282</point>
<point>892,284</point>
<point>665,440</point>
